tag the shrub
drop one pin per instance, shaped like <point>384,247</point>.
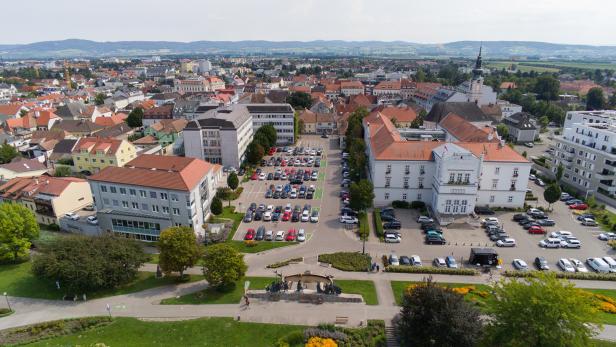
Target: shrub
<point>347,261</point>
<point>385,261</point>
<point>295,338</point>
<point>321,342</point>
<point>378,223</point>
<point>431,270</point>
<point>284,263</point>
<point>32,333</point>
<point>568,275</point>
<point>418,205</point>
<point>326,334</point>
<point>53,227</point>
<point>400,204</point>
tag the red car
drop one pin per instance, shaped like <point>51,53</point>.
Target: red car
<point>581,206</point>
<point>254,176</point>
<point>535,229</point>
<point>271,151</point>
<point>286,216</point>
<point>291,235</point>
<point>250,234</point>
<point>283,163</point>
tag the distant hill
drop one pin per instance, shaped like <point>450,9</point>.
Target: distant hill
<point>492,49</point>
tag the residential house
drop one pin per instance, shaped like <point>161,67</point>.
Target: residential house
<point>317,123</point>
<point>21,168</point>
<point>521,129</point>
<point>156,114</point>
<point>166,131</point>
<point>77,128</point>
<point>351,88</point>
<point>92,154</point>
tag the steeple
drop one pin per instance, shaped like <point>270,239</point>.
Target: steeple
<point>478,71</point>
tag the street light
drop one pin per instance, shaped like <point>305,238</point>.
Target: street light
<point>6,296</point>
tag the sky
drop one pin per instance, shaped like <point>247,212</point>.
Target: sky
<point>440,21</point>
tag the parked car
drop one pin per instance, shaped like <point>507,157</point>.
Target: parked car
<point>565,265</point>
<point>305,216</point>
<point>607,236</point>
<point>598,265</point>
<point>483,210</point>
<point>520,264</point>
<point>540,182</point>
<point>393,260</point>
<point>314,218</point>
<point>435,240</point>
<point>388,218</point>
<point>541,264</point>
<point>301,235</point>
<point>589,222</point>
<point>439,262</point>
<point>536,229</point>
<point>392,238</point>
<point>404,260</point>
<point>250,234</point>
<point>291,235</point>
<point>561,234</point>
<point>578,265</point>
<point>507,242</point>
<point>546,222</point>
<point>72,216</point>
<point>571,243</point>
<point>550,243</point>
<point>260,233</point>
<point>280,235</point>
<point>451,262</point>
<point>415,260</point>
<point>424,219</point>
<point>578,206</point>
<point>348,219</point>
<point>488,220</point>
<point>392,225</point>
<point>92,220</point>
<point>584,216</point>
<point>529,144</point>
<point>89,208</point>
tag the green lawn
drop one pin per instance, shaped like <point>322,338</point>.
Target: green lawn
<point>17,280</point>
<point>259,246</point>
<point>232,295</point>
<point>398,288</point>
<point>365,288</point>
<point>520,66</point>
<point>198,332</point>
<point>603,343</point>
<point>229,213</point>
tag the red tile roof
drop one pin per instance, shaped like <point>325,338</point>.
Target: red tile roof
<point>93,144</point>
<point>29,186</point>
<point>401,114</point>
<point>463,130</point>
<point>166,172</point>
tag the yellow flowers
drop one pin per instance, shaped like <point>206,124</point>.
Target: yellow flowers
<point>316,341</point>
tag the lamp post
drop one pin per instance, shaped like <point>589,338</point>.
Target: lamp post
<point>6,296</point>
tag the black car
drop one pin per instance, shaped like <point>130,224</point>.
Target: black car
<point>428,226</point>
<point>309,195</point>
<point>392,225</point>
<point>546,222</point>
<point>520,216</point>
<point>248,216</point>
<point>275,216</point>
<point>498,236</point>
<point>541,263</point>
<point>295,216</point>
<point>435,240</point>
<point>483,210</point>
<point>260,233</point>
<point>268,194</point>
<point>404,260</point>
<point>388,218</point>
<point>529,225</point>
<point>525,221</point>
<point>348,212</point>
<point>270,176</point>
<point>284,195</point>
<point>540,216</point>
<point>258,215</point>
<point>276,195</point>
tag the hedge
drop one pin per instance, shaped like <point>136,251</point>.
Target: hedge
<point>285,263</point>
<point>378,223</point>
<point>364,228</point>
<point>347,261</point>
<point>567,275</point>
<point>431,270</point>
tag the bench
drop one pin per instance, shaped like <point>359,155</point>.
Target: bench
<point>341,320</point>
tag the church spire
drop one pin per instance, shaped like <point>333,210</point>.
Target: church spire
<point>478,71</point>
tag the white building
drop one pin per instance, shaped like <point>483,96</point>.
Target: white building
<point>451,178</point>
<point>204,66</point>
<point>508,109</point>
<point>281,116</point>
<point>195,85</point>
<point>152,193</point>
<point>7,91</point>
<point>219,136</point>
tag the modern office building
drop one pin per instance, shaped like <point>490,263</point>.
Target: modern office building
<point>281,116</point>
<point>152,193</point>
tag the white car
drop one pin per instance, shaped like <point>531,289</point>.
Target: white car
<point>267,216</point>
<point>415,260</point>
<point>607,236</point>
<point>305,216</point>
<point>280,235</point>
<point>520,264</point>
<point>348,220</point>
<point>578,265</point>
<point>424,219</point>
<point>532,177</point>
<point>393,260</point>
<point>598,265</point>
<point>269,208</point>
<point>562,234</point>
<point>550,243</point>
<point>490,220</point>
<point>439,262</point>
<point>288,208</point>
<point>314,218</point>
<point>279,188</point>
<point>540,182</point>
<point>589,222</point>
<point>566,265</point>
<point>262,176</point>
<point>508,242</point>
<point>571,243</point>
<point>92,220</point>
<point>301,235</point>
<point>293,194</point>
<point>392,238</point>
<point>72,216</point>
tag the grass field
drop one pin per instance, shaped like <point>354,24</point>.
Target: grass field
<point>551,66</point>
<point>365,288</point>
<point>232,295</point>
<point>198,332</point>
<point>520,66</point>
<point>259,246</point>
<point>18,280</point>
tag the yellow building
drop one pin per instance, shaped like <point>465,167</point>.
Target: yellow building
<point>93,154</point>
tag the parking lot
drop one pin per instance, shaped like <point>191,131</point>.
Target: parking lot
<point>288,196</point>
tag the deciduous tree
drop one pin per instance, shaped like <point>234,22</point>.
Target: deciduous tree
<point>362,195</point>
<point>255,153</point>
<point>300,100</point>
<point>434,315</point>
<point>503,131</point>
<point>233,181</point>
<point>216,207</point>
<point>595,99</point>
<point>551,194</point>
<point>541,311</point>
<point>223,265</point>
<point>99,99</point>
<point>135,118</point>
<point>547,87</point>
<point>179,249</point>
<point>18,228</point>
<point>7,153</point>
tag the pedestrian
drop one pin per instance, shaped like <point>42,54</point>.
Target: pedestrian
<point>378,268</point>
<point>246,301</point>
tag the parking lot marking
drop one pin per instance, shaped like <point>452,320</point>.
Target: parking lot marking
<point>321,176</point>
<point>319,193</point>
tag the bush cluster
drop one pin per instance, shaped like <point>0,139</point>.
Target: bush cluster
<point>347,261</point>
<point>285,263</point>
<point>40,331</point>
<point>568,275</point>
<point>378,223</point>
<point>431,270</point>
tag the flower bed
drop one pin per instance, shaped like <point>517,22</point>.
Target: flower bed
<point>568,275</point>
<point>347,261</point>
<point>430,270</point>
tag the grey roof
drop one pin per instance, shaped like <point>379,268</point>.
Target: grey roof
<point>467,110</point>
<point>24,165</point>
<point>224,119</point>
<point>269,108</point>
<point>65,146</point>
<point>71,110</point>
<point>115,130</point>
<point>520,120</point>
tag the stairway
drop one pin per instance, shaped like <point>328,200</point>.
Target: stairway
<point>390,337</point>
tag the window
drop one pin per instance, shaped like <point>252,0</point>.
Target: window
<point>163,196</point>
<point>388,170</point>
<point>152,195</point>
<point>404,196</point>
<point>105,201</point>
<point>464,205</point>
<point>452,177</point>
<point>491,198</point>
<point>113,189</point>
<point>387,181</point>
<point>132,192</point>
<point>155,208</point>
<point>510,198</point>
<point>497,170</point>
<point>418,196</point>
<point>103,189</point>
<point>176,211</point>
<point>123,191</point>
<point>115,202</point>
<point>515,172</point>
<point>165,210</point>
<point>459,178</point>
<point>422,169</point>
<point>420,182</point>
<point>174,197</point>
<point>135,205</point>
<point>142,193</point>
<point>407,169</point>
<point>494,184</point>
<point>124,204</point>
<point>467,178</point>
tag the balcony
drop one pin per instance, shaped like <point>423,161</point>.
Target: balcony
<point>512,188</point>
<point>421,186</point>
<point>515,174</point>
<point>406,186</point>
<point>406,172</point>
<point>459,183</point>
<point>422,172</point>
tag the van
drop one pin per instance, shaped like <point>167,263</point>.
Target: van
<point>550,242</point>
<point>490,220</point>
<point>269,235</point>
<point>611,263</point>
<point>483,256</point>
<point>598,264</point>
<point>392,238</point>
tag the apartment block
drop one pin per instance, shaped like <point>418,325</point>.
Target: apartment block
<point>92,154</point>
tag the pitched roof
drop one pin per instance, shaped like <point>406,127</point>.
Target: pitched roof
<point>109,121</point>
<point>115,130</point>
<point>463,130</point>
<point>94,144</point>
<point>170,125</point>
<point>30,186</point>
<point>161,112</point>
<point>316,117</point>
<point>467,110</point>
<point>388,85</point>
<point>10,109</point>
<point>166,172</point>
<point>77,126</point>
<point>493,151</point>
<point>146,140</point>
<point>25,165</point>
<point>401,114</point>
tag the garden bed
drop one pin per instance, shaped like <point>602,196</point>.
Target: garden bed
<point>46,330</point>
<point>347,261</point>
<point>431,270</point>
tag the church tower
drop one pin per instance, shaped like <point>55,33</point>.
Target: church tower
<point>476,81</point>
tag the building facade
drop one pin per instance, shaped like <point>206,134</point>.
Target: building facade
<point>152,193</point>
<point>281,116</point>
<point>92,154</point>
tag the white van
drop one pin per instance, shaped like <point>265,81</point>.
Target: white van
<point>611,263</point>
<point>550,243</point>
<point>598,264</point>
